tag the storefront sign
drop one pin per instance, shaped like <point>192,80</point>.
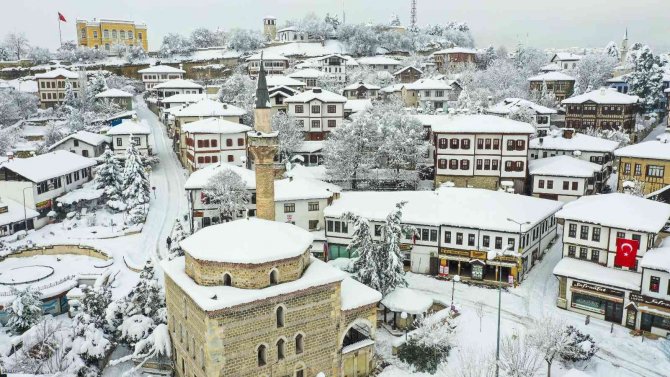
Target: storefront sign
<point>198,214</point>
<point>477,272</point>
<point>460,253</point>
<point>597,288</point>
<point>405,247</point>
<point>649,300</point>
<point>479,255</point>
<point>44,204</point>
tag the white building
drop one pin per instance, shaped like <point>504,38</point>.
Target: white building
<point>87,144</point>
<point>310,76</point>
<point>653,302</point>
<point>300,201</point>
<point>361,90</point>
<point>310,152</point>
<point>481,151</point>
<point>562,178</point>
<point>36,182</point>
<point>448,244</point>
<point>158,74</point>
<point>15,217</point>
<point>566,142</point>
<point>595,227</point>
<point>430,92</point>
<point>317,111</point>
<point>51,86</point>
<point>291,34</point>
<point>274,64</point>
<point>380,63</point>
<point>542,116</point>
<point>333,65</point>
<point>281,80</point>
<point>566,60</point>
<point>177,86</point>
<point>212,140</point>
<point>130,130</point>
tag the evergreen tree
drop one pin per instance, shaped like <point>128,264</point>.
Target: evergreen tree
<point>612,50</point>
<point>147,297</point>
<point>95,303</point>
<point>135,181</point>
<point>97,85</point>
<point>71,100</point>
<point>393,270</point>
<point>109,175</point>
<point>646,80</point>
<point>367,265</point>
<point>177,235</point>
<point>25,310</point>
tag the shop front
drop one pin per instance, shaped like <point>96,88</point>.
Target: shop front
<point>653,313</point>
<point>602,302</point>
<point>475,266</point>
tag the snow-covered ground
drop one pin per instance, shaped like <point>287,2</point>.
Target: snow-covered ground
<point>620,353</point>
<point>658,130</point>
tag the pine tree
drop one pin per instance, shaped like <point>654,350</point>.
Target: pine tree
<point>97,86</point>
<point>147,297</point>
<point>393,270</point>
<point>135,184</point>
<point>71,100</point>
<point>25,310</point>
<point>612,50</point>
<point>176,236</point>
<point>367,265</point>
<point>109,175</point>
<point>95,303</point>
<point>646,80</point>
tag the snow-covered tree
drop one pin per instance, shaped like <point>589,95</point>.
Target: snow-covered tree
<point>240,90</point>
<point>53,134</point>
<point>228,192</point>
<point>175,44</point>
<point>72,53</point>
<point>550,339</point>
<point>350,150</point>
<point>135,54</point>
<point>486,58</point>
<point>89,341</point>
<point>593,71</point>
<point>313,26</point>
<point>393,271</point>
<point>39,55</point>
<point>333,21</point>
<point>96,86</point>
<point>157,344</point>
<point>498,81</point>
<point>360,39</point>
<point>618,135</point>
<point>581,347</point>
<point>177,235</point>
<point>518,358</point>
<point>612,50</point>
<point>367,264</point>
<point>135,183</point>
<point>17,44</point>
<point>290,135</point>
<point>429,344</point>
<point>135,328</point>
<point>4,53</point>
<point>8,138</point>
<point>473,363</point>
<point>646,80</point>
<point>245,40</point>
<point>633,187</point>
<point>528,60</point>
<point>95,302</point>
<point>124,83</point>
<point>203,38</point>
<point>25,310</point>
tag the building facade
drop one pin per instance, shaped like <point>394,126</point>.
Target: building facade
<point>157,74</point>
<point>361,90</point>
<point>647,163</point>
<point>52,86</point>
<point>317,111</point>
<point>559,83</point>
<point>103,34</point>
<point>408,74</point>
<point>562,178</point>
<point>212,140</point>
<point>454,59</point>
<point>601,109</point>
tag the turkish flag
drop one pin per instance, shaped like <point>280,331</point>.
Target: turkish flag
<point>61,17</point>
<point>626,251</point>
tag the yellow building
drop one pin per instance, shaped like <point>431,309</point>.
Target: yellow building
<point>103,34</point>
<point>647,163</point>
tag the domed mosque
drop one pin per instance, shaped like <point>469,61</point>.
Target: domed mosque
<point>248,299</point>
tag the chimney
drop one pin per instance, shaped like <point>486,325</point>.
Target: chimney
<point>568,132</point>
<point>490,101</point>
<point>541,140</point>
<point>602,91</point>
<point>10,156</point>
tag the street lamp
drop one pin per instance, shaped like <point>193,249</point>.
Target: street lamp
<point>455,279</point>
<point>25,215</point>
<point>520,224</point>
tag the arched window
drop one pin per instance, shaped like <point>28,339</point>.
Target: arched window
<point>262,355</point>
<point>299,343</point>
<point>280,316</point>
<point>274,277</point>
<point>227,280</point>
<point>122,34</point>
<point>113,34</point>
<point>280,349</point>
<point>83,33</point>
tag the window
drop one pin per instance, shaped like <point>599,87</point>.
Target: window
<point>214,143</point>
<point>638,169</point>
<point>447,237</point>
<point>620,235</point>
<point>289,207</point>
<point>424,234</point>
<point>626,168</point>
<point>595,256</point>
<point>480,144</point>
<point>510,243</point>
<point>486,241</point>
<point>262,356</point>
<point>550,184</point>
<point>496,144</point>
<point>274,279</point>
<point>510,145</point>
<point>566,185</point>
<point>299,343</point>
<point>479,164</point>
<point>494,164</point>
<point>119,142</point>
<point>574,186</point>
<point>584,232</point>
<point>105,34</point>
<point>231,158</point>
<point>139,36</point>
<point>655,171</point>
<point>465,164</point>
<point>459,238</point>
<point>571,251</point>
<point>453,144</point>
<point>279,316</point>
<point>442,163</point>
<point>498,243</point>
<point>114,34</point>
<point>487,164</point>
<point>227,280</point>
<point>316,109</point>
<point>471,239</point>
<point>654,284</point>
<point>487,144</point>
<point>332,123</point>
<point>433,235</point>
<point>122,34</point>
<point>136,140</point>
<point>465,144</point>
<point>453,164</point>
<point>442,143</point>
<point>299,109</point>
<point>540,183</point>
<point>331,109</point>
<point>595,234</point>
<point>313,206</point>
<point>583,253</point>
<point>520,145</point>
<point>316,124</point>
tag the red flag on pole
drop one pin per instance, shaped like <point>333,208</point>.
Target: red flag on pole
<point>626,251</point>
<point>61,17</point>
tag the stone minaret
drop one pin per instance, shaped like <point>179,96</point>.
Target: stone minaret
<point>624,47</point>
<point>270,28</point>
<point>263,146</point>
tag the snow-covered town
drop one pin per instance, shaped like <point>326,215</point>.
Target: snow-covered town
<point>344,190</point>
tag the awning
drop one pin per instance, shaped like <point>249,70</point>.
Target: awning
<point>455,258</point>
<point>503,264</point>
<point>596,294</point>
<point>654,310</point>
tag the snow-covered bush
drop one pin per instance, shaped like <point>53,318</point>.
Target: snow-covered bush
<point>228,192</point>
<point>95,303</point>
<point>135,328</point>
<point>108,175</point>
<point>134,54</point>
<point>580,347</point>
<point>135,184</point>
<point>39,55</point>
<point>175,44</point>
<point>157,344</point>
<point>290,135</point>
<point>203,38</point>
<point>89,341</point>
<point>428,345</point>
<point>25,310</point>
<point>518,358</point>
<point>245,40</point>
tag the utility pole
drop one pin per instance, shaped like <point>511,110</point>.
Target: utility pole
<point>412,19</point>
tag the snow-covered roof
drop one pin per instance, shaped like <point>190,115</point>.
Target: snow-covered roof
<point>393,88</point>
<point>215,126</point>
<point>617,210</point>
<point>307,73</point>
<point>401,70</point>
<point>184,98</point>
<point>208,107</point>
<point>606,96</point>
<point>456,50</point>
<point>114,93</point>
<point>618,79</point>
<point>474,124</point>
<point>563,166</point>
<point>316,94</point>
<point>652,149</point>
<point>288,28</point>
<point>58,72</point>
<point>267,56</point>
<point>161,69</point>
<point>178,84</point>
<point>595,273</point>
<point>359,84</point>
<point>199,178</point>
<point>561,56</point>
<point>657,259</point>
<point>48,165</point>
<point>476,208</point>
<point>314,172</point>
<point>511,105</point>
<point>310,146</point>
<point>130,126</point>
<point>355,295</point>
<point>306,49</point>
<point>15,212</point>
<point>550,67</point>
<point>423,84</point>
<point>239,242</point>
<point>378,60</point>
<point>89,138</point>
<point>578,142</point>
<point>281,80</point>
<point>552,76</point>
<point>407,300</point>
<point>357,105</point>
<point>85,193</point>
<point>303,189</point>
<point>317,273</point>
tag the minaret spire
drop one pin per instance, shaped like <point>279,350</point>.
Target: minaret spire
<point>262,95</point>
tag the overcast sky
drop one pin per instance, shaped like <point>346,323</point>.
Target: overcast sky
<point>540,23</point>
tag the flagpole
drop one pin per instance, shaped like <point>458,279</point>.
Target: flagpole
<point>60,37</point>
